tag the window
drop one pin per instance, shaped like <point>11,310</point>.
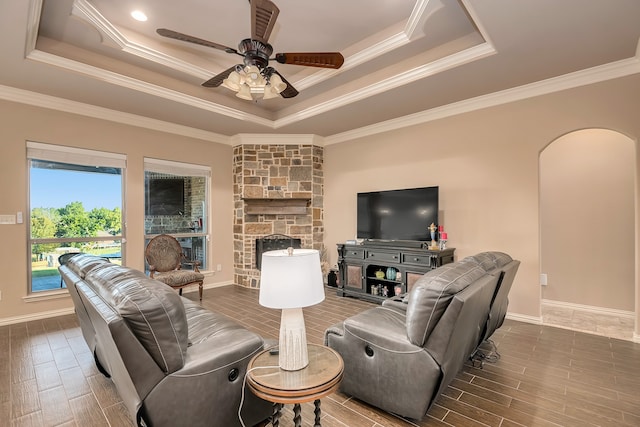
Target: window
<point>75,205</point>
<point>176,203</point>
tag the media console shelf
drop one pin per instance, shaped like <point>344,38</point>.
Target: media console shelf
<point>358,264</point>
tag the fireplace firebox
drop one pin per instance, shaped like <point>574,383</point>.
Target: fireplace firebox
<point>274,242</point>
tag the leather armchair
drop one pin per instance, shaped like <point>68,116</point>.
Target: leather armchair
<point>400,357</point>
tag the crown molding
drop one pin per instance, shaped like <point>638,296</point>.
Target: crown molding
<point>407,77</point>
<point>373,51</point>
<point>410,76</point>
<point>276,139</point>
<point>33,20</point>
<point>64,105</point>
<point>580,78</point>
<point>87,12</point>
<point>589,76</point>
<point>141,86</point>
<point>84,10</point>
<point>416,17</point>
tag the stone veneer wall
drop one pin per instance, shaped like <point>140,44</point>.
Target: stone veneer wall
<point>279,172</point>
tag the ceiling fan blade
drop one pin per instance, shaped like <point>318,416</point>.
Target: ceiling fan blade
<point>217,80</point>
<point>187,38</point>
<point>263,17</point>
<point>289,91</point>
<point>312,59</point>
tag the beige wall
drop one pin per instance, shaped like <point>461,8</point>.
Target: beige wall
<point>486,164</point>
<point>21,123</point>
<point>587,219</point>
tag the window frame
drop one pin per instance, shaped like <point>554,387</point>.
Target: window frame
<point>175,168</point>
<point>37,151</point>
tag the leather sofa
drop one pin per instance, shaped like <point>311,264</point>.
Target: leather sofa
<point>172,361</point>
<point>401,355</point>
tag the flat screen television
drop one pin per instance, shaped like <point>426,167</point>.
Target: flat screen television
<point>397,214</point>
<point>165,196</point>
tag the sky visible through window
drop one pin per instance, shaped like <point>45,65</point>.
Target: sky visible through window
<point>58,188</point>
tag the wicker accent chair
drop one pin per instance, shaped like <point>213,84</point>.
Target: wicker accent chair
<point>165,257</point>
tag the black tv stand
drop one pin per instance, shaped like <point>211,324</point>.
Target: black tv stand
<point>402,243</point>
<point>359,263</point>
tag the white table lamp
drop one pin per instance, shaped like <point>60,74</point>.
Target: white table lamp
<point>291,279</point>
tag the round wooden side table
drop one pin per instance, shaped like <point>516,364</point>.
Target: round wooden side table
<point>321,377</point>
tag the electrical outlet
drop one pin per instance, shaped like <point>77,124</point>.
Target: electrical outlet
<point>0,295</point>
<point>543,279</point>
<point>219,267</point>
<point>7,219</point>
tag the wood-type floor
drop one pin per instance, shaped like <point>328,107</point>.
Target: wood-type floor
<point>545,377</point>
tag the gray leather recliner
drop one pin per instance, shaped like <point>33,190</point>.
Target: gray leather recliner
<point>495,263</point>
<point>400,356</point>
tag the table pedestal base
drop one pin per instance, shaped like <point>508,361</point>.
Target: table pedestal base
<point>297,418</point>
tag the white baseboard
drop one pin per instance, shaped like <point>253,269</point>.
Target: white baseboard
<point>207,286</point>
<point>594,310</point>
<point>589,308</point>
<point>35,316</point>
<point>524,318</point>
<point>218,284</point>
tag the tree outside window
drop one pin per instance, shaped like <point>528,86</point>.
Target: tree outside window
<point>74,207</point>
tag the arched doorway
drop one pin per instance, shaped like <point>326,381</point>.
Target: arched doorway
<point>587,230</point>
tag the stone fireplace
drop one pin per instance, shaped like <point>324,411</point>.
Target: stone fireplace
<point>277,189</point>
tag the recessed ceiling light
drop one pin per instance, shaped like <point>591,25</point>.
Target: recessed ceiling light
<point>139,15</point>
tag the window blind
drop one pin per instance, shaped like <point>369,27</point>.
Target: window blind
<point>175,168</point>
<point>72,155</point>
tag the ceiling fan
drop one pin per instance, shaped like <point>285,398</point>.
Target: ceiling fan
<point>255,70</point>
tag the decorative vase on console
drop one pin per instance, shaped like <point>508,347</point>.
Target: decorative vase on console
<point>391,273</point>
<point>432,232</point>
<point>443,240</point>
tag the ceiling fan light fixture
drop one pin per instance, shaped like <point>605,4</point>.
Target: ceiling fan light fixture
<point>276,83</point>
<point>233,82</point>
<point>270,92</point>
<point>253,76</point>
<point>245,93</point>
<point>256,74</point>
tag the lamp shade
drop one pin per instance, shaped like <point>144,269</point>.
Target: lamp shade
<point>291,281</point>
